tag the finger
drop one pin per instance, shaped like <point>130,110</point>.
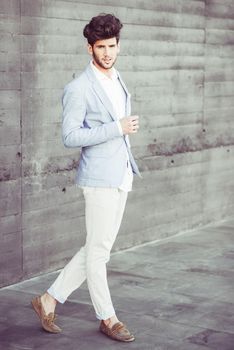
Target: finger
<point>134,117</point>
<point>134,130</point>
<point>134,124</point>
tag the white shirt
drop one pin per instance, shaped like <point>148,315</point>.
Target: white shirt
<point>117,96</point>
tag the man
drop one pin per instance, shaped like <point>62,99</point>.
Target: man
<point>96,117</point>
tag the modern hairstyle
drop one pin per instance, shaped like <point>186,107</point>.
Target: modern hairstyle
<point>103,26</point>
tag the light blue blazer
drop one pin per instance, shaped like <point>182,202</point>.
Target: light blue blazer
<point>89,122</point>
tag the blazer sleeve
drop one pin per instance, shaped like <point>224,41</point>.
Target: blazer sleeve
<point>73,131</point>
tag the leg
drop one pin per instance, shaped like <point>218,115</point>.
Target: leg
<point>70,278</point>
<point>74,273</point>
<point>104,211</point>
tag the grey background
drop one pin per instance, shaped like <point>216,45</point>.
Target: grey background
<point>177,60</point>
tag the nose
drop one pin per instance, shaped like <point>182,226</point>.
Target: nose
<point>106,51</point>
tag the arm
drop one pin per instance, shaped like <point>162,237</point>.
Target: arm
<point>73,130</point>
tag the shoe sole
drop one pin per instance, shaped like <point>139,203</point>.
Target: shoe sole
<point>121,340</point>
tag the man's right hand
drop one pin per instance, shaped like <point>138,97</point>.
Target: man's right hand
<point>130,125</point>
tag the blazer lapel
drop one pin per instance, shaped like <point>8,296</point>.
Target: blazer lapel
<point>101,93</point>
<point>128,102</point>
<point>104,98</point>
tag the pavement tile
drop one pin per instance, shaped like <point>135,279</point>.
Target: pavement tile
<point>213,340</point>
<point>171,330</point>
<point>35,285</point>
<point>175,294</point>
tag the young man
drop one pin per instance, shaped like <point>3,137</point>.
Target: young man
<point>96,117</point>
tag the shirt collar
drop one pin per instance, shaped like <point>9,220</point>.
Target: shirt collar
<point>102,76</point>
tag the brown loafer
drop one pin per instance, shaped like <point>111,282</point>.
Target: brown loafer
<point>47,321</point>
<point>117,332</point>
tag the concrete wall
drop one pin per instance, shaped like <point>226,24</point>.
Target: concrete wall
<point>177,60</point>
<point>11,248</point>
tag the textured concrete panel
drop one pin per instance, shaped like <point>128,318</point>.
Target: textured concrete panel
<point>177,60</point>
<point>11,268</point>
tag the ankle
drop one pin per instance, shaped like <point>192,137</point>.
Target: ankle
<point>107,322</point>
<point>110,322</point>
<point>48,299</point>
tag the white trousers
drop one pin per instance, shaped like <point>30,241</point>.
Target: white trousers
<point>104,208</point>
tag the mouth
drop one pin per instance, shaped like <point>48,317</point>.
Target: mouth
<point>107,60</point>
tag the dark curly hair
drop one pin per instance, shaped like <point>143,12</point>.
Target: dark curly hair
<point>103,26</point>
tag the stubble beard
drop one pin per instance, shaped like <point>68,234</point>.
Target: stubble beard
<point>99,63</point>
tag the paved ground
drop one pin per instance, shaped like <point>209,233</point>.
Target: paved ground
<point>176,294</point>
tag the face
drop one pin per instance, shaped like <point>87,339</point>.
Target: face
<point>104,53</point>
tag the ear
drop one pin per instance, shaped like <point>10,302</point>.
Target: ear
<point>90,49</point>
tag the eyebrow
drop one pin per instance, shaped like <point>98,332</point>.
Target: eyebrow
<point>101,46</point>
